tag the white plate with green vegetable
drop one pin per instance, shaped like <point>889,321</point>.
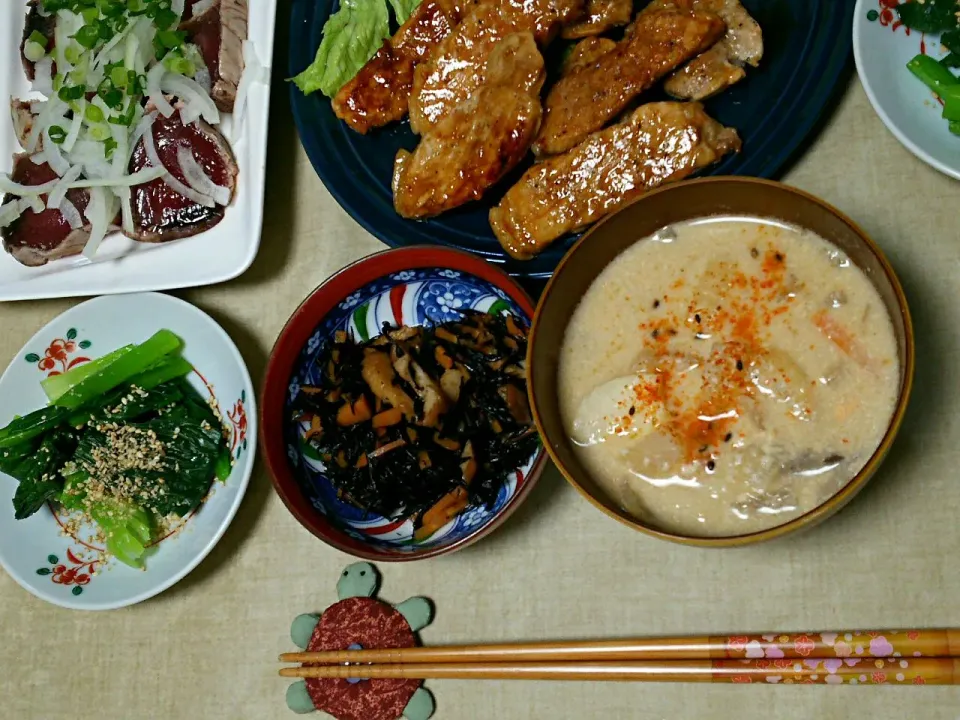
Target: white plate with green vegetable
<point>127,440</point>
<point>907,58</point>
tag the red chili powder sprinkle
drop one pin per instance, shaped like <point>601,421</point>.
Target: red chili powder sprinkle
<point>748,304</point>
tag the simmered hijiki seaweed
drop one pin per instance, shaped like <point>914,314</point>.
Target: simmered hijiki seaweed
<point>421,422</point>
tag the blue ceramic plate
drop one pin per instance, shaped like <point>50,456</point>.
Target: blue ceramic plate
<point>808,45</point>
<point>413,286</point>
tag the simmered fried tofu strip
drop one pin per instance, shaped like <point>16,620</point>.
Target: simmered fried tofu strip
<point>655,144</point>
<point>586,100</point>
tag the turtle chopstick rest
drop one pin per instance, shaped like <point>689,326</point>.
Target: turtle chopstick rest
<point>361,621</point>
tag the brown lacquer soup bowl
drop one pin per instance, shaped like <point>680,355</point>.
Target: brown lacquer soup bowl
<point>667,207</point>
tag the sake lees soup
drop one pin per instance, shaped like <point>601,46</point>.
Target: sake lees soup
<point>727,375</point>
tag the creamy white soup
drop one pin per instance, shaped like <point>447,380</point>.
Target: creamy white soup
<point>727,375</point>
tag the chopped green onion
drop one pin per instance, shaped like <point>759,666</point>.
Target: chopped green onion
<point>118,76</point>
<point>88,36</point>
<point>177,63</point>
<point>39,38</point>
<point>94,114</point>
<point>170,39</point>
<point>33,52</point>
<point>90,15</point>
<point>164,18</point>
<point>57,134</point>
<point>100,133</point>
<point>71,92</point>
<point>109,145</point>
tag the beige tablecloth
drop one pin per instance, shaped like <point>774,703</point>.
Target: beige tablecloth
<point>558,568</point>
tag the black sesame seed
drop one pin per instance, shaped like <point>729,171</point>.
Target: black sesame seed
<point>711,466</point>
<point>754,253</point>
<point>697,317</point>
<point>656,303</point>
<point>672,331</point>
<point>655,333</point>
<point>779,257</point>
<point>632,410</point>
<point>704,448</point>
<point>728,437</point>
<point>739,364</point>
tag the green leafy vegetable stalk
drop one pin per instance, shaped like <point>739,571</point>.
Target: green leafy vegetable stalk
<point>351,36</point>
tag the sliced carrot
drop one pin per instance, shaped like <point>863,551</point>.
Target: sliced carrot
<point>361,461</point>
<point>423,458</point>
<point>358,412</point>
<point>513,328</point>
<point>341,459</point>
<point>842,338</point>
<point>340,336</point>
<point>387,418</point>
<point>447,508</point>
<point>441,355</point>
<point>412,434</point>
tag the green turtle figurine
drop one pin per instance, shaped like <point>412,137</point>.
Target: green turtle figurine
<point>361,621</point>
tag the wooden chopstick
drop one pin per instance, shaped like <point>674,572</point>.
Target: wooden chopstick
<point>770,646</point>
<point>851,671</point>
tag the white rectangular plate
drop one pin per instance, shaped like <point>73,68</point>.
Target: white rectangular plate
<point>124,266</point>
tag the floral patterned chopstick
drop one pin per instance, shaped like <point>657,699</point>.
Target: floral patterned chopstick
<point>898,657</point>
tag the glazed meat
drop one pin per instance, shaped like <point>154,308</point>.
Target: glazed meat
<point>655,144</point>
<point>456,69</point>
<point>586,100</point>
<point>160,212</point>
<point>722,65</point>
<point>380,93</point>
<point>219,32</point>
<point>36,238</point>
<point>585,52</point>
<point>481,140</point>
<point>600,17</point>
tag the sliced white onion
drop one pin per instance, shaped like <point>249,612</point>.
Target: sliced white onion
<point>32,202</point>
<point>190,92</point>
<point>58,163</point>
<point>39,158</point>
<point>49,110</point>
<point>43,76</point>
<point>75,126</point>
<point>201,6</point>
<point>177,7</point>
<point>172,182</point>
<point>198,179</point>
<point>154,93</point>
<point>59,191</point>
<point>70,214</point>
<point>126,208</point>
<point>140,177</point>
<point>9,186</point>
<point>104,55</point>
<point>97,213</point>
<point>10,213</point>
<point>202,76</point>
<point>253,72</point>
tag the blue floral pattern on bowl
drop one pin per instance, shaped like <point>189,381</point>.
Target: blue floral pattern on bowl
<point>412,297</point>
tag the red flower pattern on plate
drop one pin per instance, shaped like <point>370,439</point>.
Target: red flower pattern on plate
<point>913,634</point>
<point>57,358</point>
<point>762,664</point>
<point>741,679</point>
<point>919,681</point>
<point>77,574</point>
<point>804,645</point>
<point>737,643</point>
<point>879,677</point>
<point>238,420</point>
<point>782,663</point>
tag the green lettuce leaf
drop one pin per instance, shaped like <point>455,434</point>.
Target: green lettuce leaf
<point>351,36</point>
<point>402,9</point>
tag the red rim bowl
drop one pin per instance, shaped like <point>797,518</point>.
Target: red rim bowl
<point>282,362</point>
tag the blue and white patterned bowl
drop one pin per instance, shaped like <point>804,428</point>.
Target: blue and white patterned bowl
<point>411,286</point>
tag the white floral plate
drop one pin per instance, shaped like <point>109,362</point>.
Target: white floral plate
<point>882,47</point>
<point>65,566</point>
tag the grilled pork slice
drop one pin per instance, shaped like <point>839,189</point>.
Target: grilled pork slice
<point>655,144</point>
<point>34,239</point>
<point>456,68</point>
<point>380,93</point>
<point>43,25</point>
<point>722,65</point>
<point>481,140</point>
<point>219,32</point>
<point>586,100</point>
<point>600,17</point>
<point>160,212</point>
<point>585,52</point>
